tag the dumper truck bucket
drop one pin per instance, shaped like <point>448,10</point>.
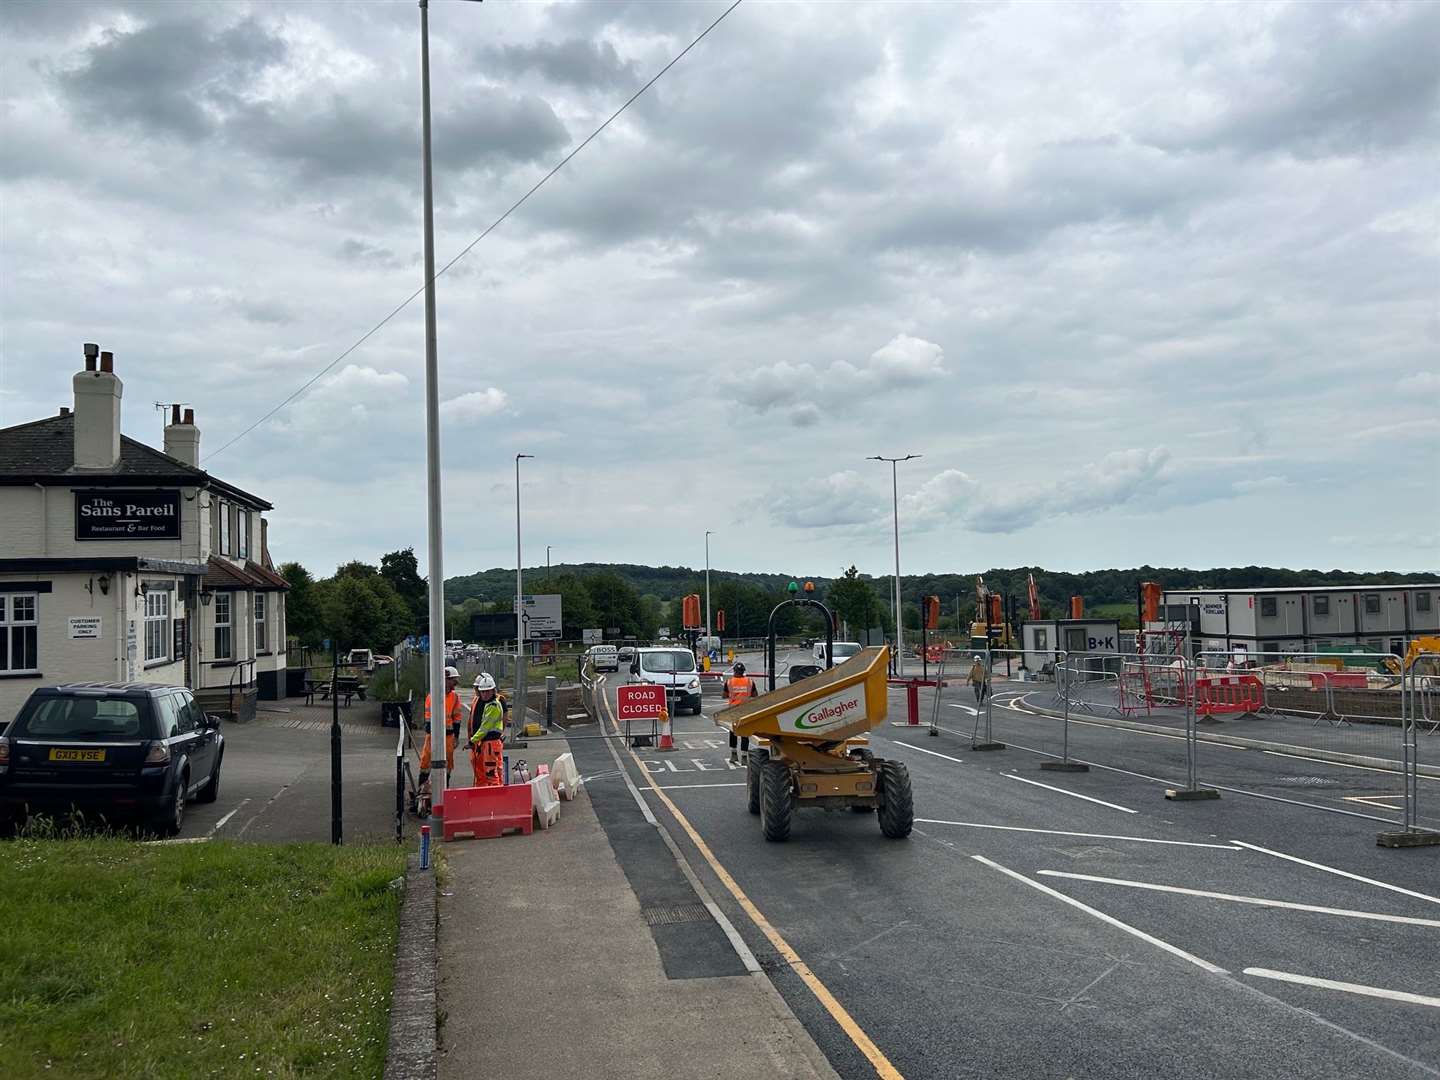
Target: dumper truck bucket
<point>837,704</point>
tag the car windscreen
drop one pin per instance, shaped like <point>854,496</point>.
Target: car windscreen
<point>844,650</point>
<point>678,660</point>
<point>83,717</point>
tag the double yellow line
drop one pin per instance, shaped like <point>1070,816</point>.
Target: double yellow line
<point>838,1012</point>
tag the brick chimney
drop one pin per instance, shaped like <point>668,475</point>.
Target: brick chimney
<point>182,437</point>
<point>97,411</point>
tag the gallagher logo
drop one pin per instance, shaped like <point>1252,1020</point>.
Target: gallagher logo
<point>827,714</point>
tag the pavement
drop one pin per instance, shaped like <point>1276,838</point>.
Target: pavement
<point>275,780</point>
<point>1054,924</point>
<point>586,950</point>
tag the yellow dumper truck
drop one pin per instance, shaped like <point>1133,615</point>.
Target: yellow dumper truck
<point>815,753</point>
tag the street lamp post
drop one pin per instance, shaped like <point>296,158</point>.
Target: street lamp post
<point>432,435</point>
<point>895,503</point>
<point>707,593</point>
<point>519,565</point>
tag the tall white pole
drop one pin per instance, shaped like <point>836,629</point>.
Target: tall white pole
<point>895,504</point>
<point>432,440</point>
<point>707,593</point>
<point>899,622</point>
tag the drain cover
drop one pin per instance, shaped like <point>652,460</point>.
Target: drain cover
<point>675,913</point>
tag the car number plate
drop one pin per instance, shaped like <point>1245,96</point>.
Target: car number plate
<point>77,755</point>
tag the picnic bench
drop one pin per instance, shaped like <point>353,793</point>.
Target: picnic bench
<point>346,688</point>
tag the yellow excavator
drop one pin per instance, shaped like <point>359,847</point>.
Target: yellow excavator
<point>1423,650</point>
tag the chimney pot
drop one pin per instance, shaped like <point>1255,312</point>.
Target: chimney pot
<point>189,416</point>
<point>107,361</point>
<point>174,414</point>
<point>91,352</point>
<point>64,410</point>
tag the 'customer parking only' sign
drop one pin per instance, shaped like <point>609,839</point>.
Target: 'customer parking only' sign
<point>127,515</point>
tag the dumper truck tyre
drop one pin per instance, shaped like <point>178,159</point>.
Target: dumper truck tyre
<point>777,800</point>
<point>754,762</point>
<point>897,801</point>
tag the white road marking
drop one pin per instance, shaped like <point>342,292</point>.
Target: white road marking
<point>932,753</point>
<point>1349,988</point>
<point>1335,870</point>
<point>221,823</point>
<point>1110,919</point>
<point>1072,794</point>
<point>1090,835</point>
<point>1256,900</point>
<point>676,787</point>
<point>967,708</point>
<point>1382,801</point>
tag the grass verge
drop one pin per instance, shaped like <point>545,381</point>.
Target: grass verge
<point>191,960</point>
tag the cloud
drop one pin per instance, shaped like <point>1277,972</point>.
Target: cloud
<point>1260,485</point>
<point>475,405</point>
<point>1421,382</point>
<point>573,62</point>
<point>355,379</point>
<point>837,500</point>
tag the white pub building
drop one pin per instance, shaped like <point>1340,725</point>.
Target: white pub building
<point>122,563</point>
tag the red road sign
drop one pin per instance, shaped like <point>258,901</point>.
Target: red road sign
<point>640,701</point>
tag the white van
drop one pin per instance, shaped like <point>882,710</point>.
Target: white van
<point>673,669</point>
<point>842,651</point>
<point>604,657</point>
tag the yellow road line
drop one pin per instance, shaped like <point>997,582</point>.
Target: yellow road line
<point>838,1012</point>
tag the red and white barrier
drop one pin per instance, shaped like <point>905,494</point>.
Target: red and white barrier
<point>1215,694</point>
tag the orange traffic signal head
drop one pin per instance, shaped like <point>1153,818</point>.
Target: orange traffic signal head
<point>809,586</point>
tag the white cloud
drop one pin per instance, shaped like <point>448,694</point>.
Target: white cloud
<point>840,499</point>
<point>355,379</point>
<point>907,359</point>
<point>1422,382</point>
<point>1261,485</point>
<point>475,405</point>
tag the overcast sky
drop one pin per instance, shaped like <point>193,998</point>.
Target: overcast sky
<point>1144,284</point>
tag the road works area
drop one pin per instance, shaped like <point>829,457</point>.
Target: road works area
<point>1042,923</point>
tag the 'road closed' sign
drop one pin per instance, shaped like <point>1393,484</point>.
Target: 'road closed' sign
<point>639,701</point>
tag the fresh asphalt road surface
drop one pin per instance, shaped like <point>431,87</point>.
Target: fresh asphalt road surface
<point>1057,924</point>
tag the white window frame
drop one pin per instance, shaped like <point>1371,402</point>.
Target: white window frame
<point>224,527</point>
<point>157,626</point>
<point>1425,596</point>
<point>242,529</point>
<point>12,625</point>
<point>1315,608</point>
<point>1273,602</point>
<point>227,624</point>
<point>1373,606</point>
<point>262,636</point>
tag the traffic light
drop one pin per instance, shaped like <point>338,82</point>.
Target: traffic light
<point>719,619</point>
<point>930,612</point>
<point>690,612</point>
<point>809,586</point>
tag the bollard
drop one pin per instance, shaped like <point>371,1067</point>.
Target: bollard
<point>424,847</point>
<point>912,703</point>
<point>551,686</point>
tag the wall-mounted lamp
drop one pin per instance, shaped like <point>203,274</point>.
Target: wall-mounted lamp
<point>105,584</point>
<point>205,596</point>
<point>142,588</point>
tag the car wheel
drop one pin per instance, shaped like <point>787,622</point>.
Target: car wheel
<point>211,791</point>
<point>173,820</point>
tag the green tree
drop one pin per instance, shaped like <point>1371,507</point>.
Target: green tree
<point>854,601</point>
<point>356,568</point>
<point>402,570</point>
<point>616,603</point>
<point>302,612</point>
<point>362,613</point>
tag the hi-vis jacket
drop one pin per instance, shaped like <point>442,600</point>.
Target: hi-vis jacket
<point>487,718</point>
<point>739,689</point>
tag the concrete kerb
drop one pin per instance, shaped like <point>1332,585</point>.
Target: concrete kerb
<point>1383,764</point>
<point>414,1019</point>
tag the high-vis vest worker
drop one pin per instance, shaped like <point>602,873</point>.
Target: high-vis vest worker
<point>491,718</point>
<point>454,714</point>
<point>739,689</point>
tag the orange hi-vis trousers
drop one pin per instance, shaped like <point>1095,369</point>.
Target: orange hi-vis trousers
<point>450,735</point>
<point>487,759</point>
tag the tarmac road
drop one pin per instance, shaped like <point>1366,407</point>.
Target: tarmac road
<point>1052,924</point>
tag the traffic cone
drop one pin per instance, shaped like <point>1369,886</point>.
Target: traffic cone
<point>666,741</point>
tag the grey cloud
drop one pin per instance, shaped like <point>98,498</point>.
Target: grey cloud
<point>1344,79</point>
<point>360,251</point>
<point>173,77</point>
<point>573,62</point>
<point>265,312</point>
<point>835,501</point>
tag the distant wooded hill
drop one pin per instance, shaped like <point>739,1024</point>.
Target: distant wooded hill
<point>666,583</point>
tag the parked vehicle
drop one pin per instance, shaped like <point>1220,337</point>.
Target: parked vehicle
<point>604,657</point>
<point>673,669</point>
<point>363,659</point>
<point>113,750</point>
<point>803,671</point>
<point>626,654</point>
<point>841,650</point>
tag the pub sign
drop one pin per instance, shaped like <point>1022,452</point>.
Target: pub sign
<point>127,515</point>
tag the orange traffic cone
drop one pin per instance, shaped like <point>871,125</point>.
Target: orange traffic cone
<point>666,741</point>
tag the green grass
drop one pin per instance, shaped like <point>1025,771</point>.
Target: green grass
<point>120,959</point>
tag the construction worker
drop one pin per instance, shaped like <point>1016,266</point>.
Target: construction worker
<point>739,688</point>
<point>454,716</point>
<point>487,733</point>
<point>979,679</point>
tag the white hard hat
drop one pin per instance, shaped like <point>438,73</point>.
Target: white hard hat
<point>451,673</point>
<point>483,681</point>
<point>977,656</point>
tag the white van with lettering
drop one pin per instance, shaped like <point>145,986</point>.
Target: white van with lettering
<point>604,657</point>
